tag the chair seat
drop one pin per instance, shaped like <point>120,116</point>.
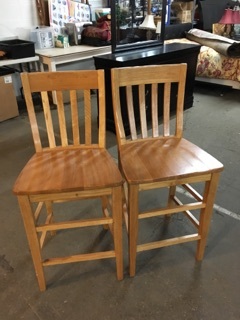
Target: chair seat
<point>165,159</point>
<point>68,170</point>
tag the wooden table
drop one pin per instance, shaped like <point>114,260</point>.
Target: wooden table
<point>8,62</point>
<point>51,58</point>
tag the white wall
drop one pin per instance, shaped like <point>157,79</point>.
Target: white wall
<point>17,18</point>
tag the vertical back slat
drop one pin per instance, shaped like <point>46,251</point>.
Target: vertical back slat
<point>180,104</point>
<point>62,119</point>
<point>48,119</point>
<point>31,112</point>
<point>75,117</point>
<point>154,110</point>
<point>101,111</point>
<point>131,116</point>
<point>142,110</point>
<point>88,117</point>
<point>166,109</point>
<point>118,111</point>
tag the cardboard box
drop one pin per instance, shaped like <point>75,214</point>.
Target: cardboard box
<point>8,106</point>
<point>183,10</point>
<point>181,5</point>
<point>185,16</point>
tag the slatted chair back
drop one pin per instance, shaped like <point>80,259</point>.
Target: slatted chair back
<point>54,130</point>
<point>148,94</point>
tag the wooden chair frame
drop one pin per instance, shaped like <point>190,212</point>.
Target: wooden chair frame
<point>160,157</point>
<point>69,169</point>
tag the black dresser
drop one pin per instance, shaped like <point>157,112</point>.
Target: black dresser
<point>164,54</point>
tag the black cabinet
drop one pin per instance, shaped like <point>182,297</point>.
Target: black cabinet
<point>164,54</point>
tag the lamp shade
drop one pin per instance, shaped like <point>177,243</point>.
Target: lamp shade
<point>236,16</point>
<point>227,17</point>
<point>148,23</point>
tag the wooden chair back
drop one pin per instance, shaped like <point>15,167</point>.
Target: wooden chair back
<point>148,93</point>
<point>54,131</point>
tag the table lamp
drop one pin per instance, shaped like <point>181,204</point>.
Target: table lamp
<point>148,22</point>
<point>158,30</point>
<point>231,17</point>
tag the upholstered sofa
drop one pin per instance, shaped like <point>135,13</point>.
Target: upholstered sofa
<point>215,67</point>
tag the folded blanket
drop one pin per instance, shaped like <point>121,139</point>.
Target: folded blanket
<point>225,46</point>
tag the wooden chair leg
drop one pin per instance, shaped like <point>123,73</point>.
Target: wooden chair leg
<point>117,229</point>
<point>49,208</point>
<point>105,203</point>
<point>171,194</point>
<point>133,227</point>
<point>125,205</point>
<point>29,223</point>
<point>206,213</point>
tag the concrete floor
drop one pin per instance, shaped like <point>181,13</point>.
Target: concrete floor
<point>169,283</point>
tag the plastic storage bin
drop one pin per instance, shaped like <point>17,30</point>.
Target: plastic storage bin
<point>43,37</point>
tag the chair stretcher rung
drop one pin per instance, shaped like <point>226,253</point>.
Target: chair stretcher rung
<point>44,233</point>
<point>38,210</point>
<point>74,224</point>
<point>171,210</point>
<point>189,215</point>
<point>167,242</point>
<point>79,258</point>
<point>193,192</point>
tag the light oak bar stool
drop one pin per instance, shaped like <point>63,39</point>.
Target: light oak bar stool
<point>70,164</point>
<point>157,156</point>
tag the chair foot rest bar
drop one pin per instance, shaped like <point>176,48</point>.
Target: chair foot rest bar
<point>79,257</point>
<point>74,224</point>
<point>168,242</point>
